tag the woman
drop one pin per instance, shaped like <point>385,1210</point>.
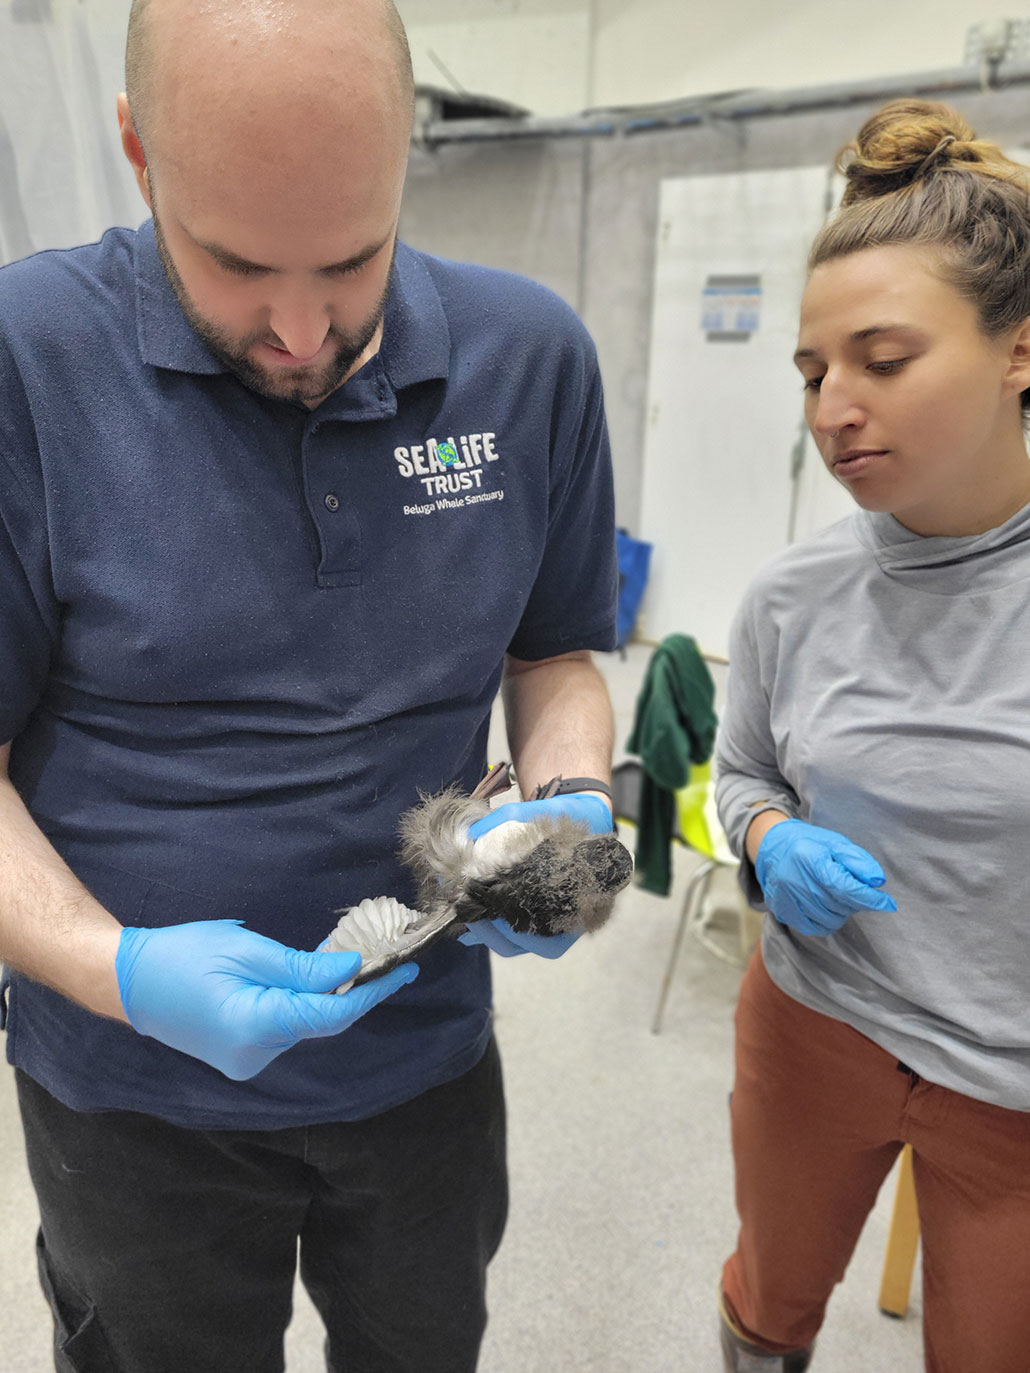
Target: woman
<point>874,770</point>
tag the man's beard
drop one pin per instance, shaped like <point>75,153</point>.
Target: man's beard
<point>301,385</point>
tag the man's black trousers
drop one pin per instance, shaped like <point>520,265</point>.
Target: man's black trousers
<point>165,1249</point>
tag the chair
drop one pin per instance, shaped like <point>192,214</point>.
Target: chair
<point>697,829</point>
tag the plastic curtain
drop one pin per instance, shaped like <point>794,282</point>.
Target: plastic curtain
<point>63,177</point>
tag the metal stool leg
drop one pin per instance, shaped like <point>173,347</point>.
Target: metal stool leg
<point>695,892</point>
<point>698,925</point>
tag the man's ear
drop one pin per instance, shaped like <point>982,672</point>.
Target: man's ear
<point>1017,378</point>
<point>133,149</point>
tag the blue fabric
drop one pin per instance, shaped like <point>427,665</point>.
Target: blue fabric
<point>634,559</point>
<point>223,693</point>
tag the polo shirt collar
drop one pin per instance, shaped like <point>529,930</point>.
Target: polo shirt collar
<point>416,341</point>
<point>166,337</point>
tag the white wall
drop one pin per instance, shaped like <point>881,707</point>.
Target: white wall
<point>664,49</point>
<point>63,179</point>
<point>561,56</point>
<point>533,53</point>
<point>723,413</point>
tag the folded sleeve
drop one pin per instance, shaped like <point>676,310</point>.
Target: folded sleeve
<point>748,776</point>
<point>29,609</point>
<point>574,598</point>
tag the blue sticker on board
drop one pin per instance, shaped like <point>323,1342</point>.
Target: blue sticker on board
<point>731,308</point>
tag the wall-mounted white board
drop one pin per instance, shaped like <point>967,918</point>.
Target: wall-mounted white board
<point>725,400</point>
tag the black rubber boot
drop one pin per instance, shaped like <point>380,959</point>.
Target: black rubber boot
<point>741,1356</point>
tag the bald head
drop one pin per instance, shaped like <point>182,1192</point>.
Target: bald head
<point>338,58</point>
<point>270,139</point>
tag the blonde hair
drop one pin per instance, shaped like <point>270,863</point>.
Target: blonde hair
<point>918,174</point>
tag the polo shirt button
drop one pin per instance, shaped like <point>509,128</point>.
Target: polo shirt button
<point>332,502</point>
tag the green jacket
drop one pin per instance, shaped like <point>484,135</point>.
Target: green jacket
<point>674,727</point>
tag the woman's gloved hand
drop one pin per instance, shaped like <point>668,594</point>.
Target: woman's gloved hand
<point>813,879</point>
<point>592,812</point>
<point>235,999</point>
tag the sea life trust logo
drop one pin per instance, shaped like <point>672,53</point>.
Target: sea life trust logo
<point>450,472</point>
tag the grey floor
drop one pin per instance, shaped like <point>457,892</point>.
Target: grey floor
<point>622,1200</point>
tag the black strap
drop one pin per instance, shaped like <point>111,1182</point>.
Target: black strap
<point>564,786</point>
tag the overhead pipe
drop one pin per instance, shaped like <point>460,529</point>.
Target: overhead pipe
<point>751,104</point>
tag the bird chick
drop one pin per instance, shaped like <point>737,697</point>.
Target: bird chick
<point>549,875</point>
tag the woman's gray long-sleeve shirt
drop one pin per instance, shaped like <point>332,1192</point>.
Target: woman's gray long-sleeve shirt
<point>879,685</point>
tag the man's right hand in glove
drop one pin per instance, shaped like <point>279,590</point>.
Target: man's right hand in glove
<point>589,810</point>
<point>233,998</point>
<point>814,879</point>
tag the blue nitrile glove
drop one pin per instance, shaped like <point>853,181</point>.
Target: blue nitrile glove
<point>814,879</point>
<point>233,998</point>
<point>498,935</point>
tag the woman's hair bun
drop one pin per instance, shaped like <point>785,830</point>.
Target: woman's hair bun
<point>906,140</point>
<point>919,177</point>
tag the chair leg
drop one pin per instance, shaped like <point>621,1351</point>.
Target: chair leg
<point>695,892</point>
<point>902,1242</point>
<point>698,925</point>
<point>749,928</point>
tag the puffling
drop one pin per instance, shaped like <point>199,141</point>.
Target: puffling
<point>548,875</point>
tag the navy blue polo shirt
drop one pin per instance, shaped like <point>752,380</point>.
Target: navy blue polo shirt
<point>237,637</point>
